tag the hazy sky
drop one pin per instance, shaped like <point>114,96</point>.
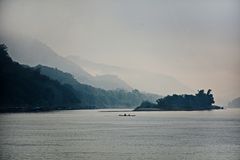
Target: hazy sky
<point>195,41</point>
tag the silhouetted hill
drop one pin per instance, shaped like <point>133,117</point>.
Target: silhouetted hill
<point>96,97</point>
<point>200,101</point>
<point>56,74</point>
<point>235,102</point>
<point>33,52</point>
<point>25,89</point>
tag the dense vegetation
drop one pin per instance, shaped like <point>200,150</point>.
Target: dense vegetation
<point>25,89</point>
<point>96,97</point>
<point>199,101</point>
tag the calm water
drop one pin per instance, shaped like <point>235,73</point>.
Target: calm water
<point>94,135</point>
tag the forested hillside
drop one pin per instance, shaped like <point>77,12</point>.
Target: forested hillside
<point>25,89</point>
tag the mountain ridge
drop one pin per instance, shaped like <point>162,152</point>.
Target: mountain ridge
<point>92,96</point>
<point>33,52</point>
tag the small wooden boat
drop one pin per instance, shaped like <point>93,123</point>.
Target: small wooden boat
<point>127,115</point>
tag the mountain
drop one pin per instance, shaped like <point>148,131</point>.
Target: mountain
<point>96,97</point>
<point>143,80</point>
<point>235,102</point>
<point>33,52</point>
<point>25,89</point>
<point>42,88</point>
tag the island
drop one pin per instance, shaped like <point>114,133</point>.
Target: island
<point>199,101</point>
<point>235,103</point>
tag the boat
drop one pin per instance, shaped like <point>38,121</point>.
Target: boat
<point>127,115</point>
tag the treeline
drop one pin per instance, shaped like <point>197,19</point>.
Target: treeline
<point>24,88</point>
<point>199,101</point>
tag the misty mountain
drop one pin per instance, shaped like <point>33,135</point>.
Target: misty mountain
<point>25,89</point>
<point>33,52</point>
<point>143,80</point>
<point>97,97</point>
<point>235,102</point>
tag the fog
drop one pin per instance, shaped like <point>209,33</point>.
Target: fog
<point>196,42</point>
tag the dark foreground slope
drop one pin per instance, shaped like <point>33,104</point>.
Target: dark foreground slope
<point>200,101</point>
<point>25,89</point>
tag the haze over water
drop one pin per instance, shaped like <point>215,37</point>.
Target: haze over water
<point>91,134</point>
<point>193,42</point>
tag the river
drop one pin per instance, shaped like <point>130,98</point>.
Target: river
<point>100,135</point>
